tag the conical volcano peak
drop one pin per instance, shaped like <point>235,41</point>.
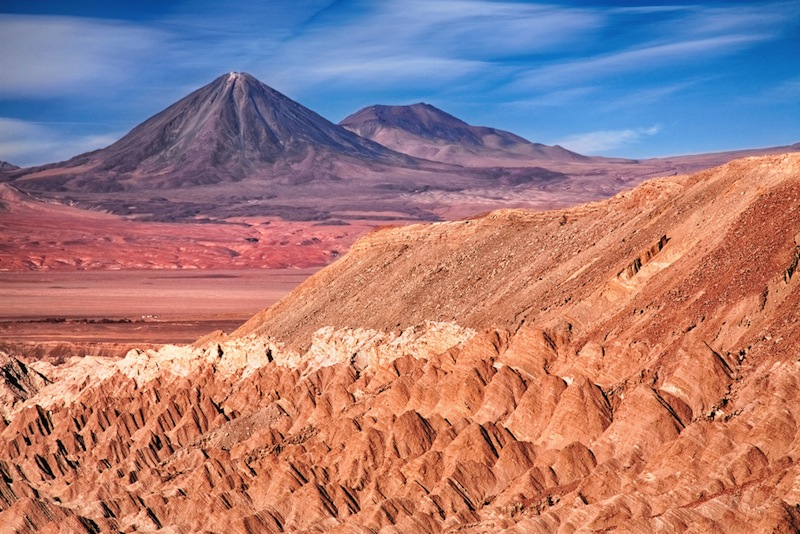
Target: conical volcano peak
<point>231,129</point>
<point>245,84</point>
<point>234,77</point>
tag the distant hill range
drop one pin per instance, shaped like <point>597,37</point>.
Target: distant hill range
<point>6,166</point>
<point>424,131</point>
<point>238,148</point>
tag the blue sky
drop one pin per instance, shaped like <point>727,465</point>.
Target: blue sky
<point>611,78</point>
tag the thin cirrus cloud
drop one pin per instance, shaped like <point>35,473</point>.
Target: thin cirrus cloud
<point>678,35</point>
<point>425,43</point>
<point>784,91</point>
<point>390,68</point>
<point>23,143</point>
<point>553,99</point>
<point>53,55</point>
<point>482,30</point>
<point>709,20</point>
<point>646,97</point>
<point>605,140</point>
<point>646,57</point>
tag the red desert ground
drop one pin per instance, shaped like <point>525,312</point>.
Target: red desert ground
<point>241,317</point>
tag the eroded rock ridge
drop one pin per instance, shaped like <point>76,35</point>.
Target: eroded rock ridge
<point>626,365</point>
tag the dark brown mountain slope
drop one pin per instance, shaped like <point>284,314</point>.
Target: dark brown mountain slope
<point>423,131</point>
<point>231,129</point>
<point>628,365</point>
<point>237,148</point>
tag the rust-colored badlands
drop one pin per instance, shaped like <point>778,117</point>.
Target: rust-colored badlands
<point>626,365</point>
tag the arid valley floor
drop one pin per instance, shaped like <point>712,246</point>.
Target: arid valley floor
<point>108,312</point>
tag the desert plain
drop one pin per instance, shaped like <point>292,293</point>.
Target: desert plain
<point>139,306</point>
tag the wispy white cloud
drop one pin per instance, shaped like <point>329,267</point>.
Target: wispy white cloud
<point>676,36</point>
<point>524,50</point>
<point>26,143</point>
<point>555,98</point>
<point>648,10</point>
<point>387,70</point>
<point>640,98</point>
<point>604,140</point>
<point>784,91</point>
<point>422,43</point>
<point>49,55</point>
<point>481,29</point>
<point>703,20</point>
<point>636,59</point>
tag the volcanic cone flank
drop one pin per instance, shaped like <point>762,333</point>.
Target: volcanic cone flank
<point>424,131</point>
<point>624,365</point>
<point>230,129</point>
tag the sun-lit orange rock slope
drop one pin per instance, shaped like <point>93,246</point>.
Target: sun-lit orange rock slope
<point>627,365</point>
